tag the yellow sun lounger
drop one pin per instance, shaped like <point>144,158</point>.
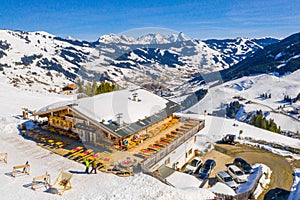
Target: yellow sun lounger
<point>62,183</point>
<point>83,154</point>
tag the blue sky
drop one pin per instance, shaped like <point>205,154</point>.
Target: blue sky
<point>200,19</point>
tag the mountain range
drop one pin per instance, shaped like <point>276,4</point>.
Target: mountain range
<point>169,65</point>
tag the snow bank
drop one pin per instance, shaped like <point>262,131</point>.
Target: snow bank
<point>263,181</point>
<point>295,190</point>
<point>221,188</point>
<point>182,180</point>
<point>260,170</point>
<point>280,152</point>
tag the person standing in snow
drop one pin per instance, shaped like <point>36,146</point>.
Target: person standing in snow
<point>94,167</point>
<point>87,165</point>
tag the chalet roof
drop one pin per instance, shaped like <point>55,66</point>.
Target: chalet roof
<point>123,112</point>
<point>71,86</point>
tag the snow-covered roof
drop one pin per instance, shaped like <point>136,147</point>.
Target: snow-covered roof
<point>107,106</point>
<point>136,108</point>
<point>55,106</point>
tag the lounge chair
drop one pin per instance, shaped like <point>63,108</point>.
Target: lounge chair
<point>82,155</point>
<point>40,181</point>
<point>62,183</point>
<point>21,170</point>
<point>3,157</point>
<point>74,151</point>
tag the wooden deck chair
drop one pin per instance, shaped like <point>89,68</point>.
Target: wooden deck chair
<point>21,169</point>
<point>62,183</point>
<point>40,181</point>
<point>3,157</point>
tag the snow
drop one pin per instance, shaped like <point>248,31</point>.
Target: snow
<point>56,105</point>
<point>13,100</point>
<point>286,123</point>
<point>250,88</point>
<point>107,106</point>
<point>101,186</point>
<point>280,152</point>
<point>183,180</point>
<point>263,181</point>
<point>278,55</point>
<point>295,190</point>
<point>217,127</point>
<point>222,188</point>
<point>259,170</point>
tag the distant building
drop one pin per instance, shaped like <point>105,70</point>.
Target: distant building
<point>69,89</point>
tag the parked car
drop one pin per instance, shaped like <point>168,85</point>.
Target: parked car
<point>237,174</point>
<point>193,166</point>
<point>206,169</point>
<point>225,178</point>
<point>241,163</point>
<point>228,139</point>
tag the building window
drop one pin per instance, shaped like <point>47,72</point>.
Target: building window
<point>167,161</point>
<point>190,152</point>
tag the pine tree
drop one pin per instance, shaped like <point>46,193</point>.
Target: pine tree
<point>80,87</point>
<point>264,123</point>
<point>258,121</point>
<point>253,119</point>
<point>88,89</point>
<point>94,88</point>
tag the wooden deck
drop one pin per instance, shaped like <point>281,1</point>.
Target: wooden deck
<point>149,141</point>
<point>109,156</point>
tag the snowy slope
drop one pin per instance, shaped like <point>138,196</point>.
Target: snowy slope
<point>218,127</point>
<point>235,50</point>
<point>250,87</point>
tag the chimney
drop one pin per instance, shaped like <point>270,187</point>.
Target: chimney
<point>120,118</point>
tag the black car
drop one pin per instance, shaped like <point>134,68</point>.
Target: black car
<point>228,139</point>
<point>206,169</point>
<point>242,164</point>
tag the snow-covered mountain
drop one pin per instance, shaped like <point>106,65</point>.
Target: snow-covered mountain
<point>279,58</point>
<point>151,38</point>
<point>162,63</point>
<point>235,50</point>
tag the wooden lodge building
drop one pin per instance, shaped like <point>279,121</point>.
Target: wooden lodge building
<point>124,115</point>
<point>111,116</point>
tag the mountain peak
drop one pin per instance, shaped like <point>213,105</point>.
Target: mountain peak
<point>150,38</point>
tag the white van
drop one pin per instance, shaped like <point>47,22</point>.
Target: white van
<point>237,174</point>
<point>225,178</point>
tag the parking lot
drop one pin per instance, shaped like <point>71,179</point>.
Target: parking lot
<point>281,179</point>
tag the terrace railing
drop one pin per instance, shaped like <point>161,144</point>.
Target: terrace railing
<point>158,156</point>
